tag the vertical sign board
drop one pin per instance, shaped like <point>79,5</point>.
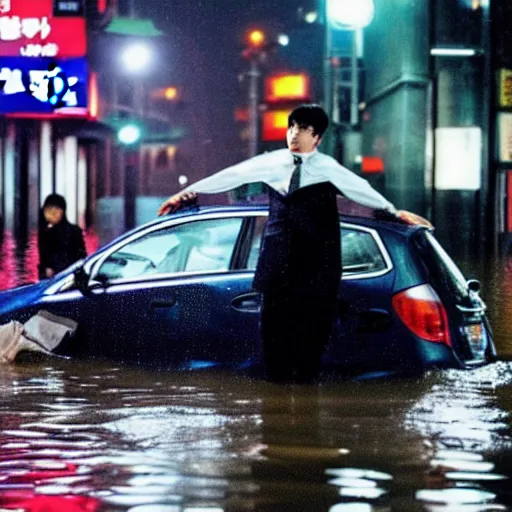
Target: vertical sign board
<point>458,158</point>
<point>505,156</point>
<point>505,88</point>
<point>43,67</point>
<point>504,137</point>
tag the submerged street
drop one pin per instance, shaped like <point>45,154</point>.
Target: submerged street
<point>115,113</point>
<point>83,435</point>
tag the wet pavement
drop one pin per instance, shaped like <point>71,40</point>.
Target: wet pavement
<point>87,436</point>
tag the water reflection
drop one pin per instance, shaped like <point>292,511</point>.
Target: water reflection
<point>462,425</point>
<point>19,257</point>
<point>128,440</point>
<point>89,436</point>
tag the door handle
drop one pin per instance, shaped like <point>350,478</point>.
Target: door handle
<point>163,303</point>
<point>247,302</point>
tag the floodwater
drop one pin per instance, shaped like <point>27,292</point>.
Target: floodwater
<point>83,436</point>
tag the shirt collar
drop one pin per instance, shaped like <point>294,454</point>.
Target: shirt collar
<point>304,156</point>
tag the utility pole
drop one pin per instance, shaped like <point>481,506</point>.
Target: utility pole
<point>254,52</point>
<point>254,74</point>
<point>328,86</point>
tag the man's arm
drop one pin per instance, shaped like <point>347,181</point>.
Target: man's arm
<point>252,170</point>
<point>358,190</point>
<point>350,185</point>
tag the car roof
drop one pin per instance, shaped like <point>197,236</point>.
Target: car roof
<point>397,227</point>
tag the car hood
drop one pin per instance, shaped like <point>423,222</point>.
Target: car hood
<point>12,299</point>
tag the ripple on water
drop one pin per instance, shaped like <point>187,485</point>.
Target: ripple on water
<point>455,496</point>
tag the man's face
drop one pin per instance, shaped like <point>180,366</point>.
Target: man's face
<point>300,139</point>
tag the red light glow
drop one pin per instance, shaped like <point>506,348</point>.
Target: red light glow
<point>294,87</point>
<point>256,38</point>
<point>93,96</point>
<point>275,125</point>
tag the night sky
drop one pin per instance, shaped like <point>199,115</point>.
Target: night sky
<point>203,52</point>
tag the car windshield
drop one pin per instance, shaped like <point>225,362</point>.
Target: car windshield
<point>199,246</point>
<point>442,269</point>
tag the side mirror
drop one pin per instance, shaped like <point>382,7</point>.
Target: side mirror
<point>82,280</point>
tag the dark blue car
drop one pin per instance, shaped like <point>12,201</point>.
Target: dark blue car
<point>177,292</point>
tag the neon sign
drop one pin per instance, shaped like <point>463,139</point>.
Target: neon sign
<point>37,28</point>
<point>43,86</point>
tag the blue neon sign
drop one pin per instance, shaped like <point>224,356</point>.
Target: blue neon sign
<point>43,86</point>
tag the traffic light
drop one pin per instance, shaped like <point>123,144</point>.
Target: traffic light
<point>256,38</point>
<point>129,134</point>
<point>255,45</point>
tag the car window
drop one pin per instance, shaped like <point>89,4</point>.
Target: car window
<point>360,251</point>
<point>199,246</point>
<point>442,270</point>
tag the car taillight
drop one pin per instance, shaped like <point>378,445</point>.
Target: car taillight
<point>422,311</point>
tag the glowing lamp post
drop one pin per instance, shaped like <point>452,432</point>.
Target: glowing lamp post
<point>256,41</point>
<point>344,15</point>
<point>350,15</point>
<point>136,57</point>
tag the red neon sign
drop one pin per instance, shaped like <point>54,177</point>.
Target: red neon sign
<point>29,29</point>
<point>291,87</point>
<point>275,125</point>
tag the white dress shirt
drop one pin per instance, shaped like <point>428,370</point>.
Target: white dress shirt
<point>275,168</point>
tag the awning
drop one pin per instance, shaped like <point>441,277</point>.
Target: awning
<point>133,27</point>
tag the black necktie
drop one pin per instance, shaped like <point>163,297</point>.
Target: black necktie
<point>295,179</point>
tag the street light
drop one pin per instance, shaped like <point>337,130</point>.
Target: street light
<point>344,15</point>
<point>254,52</point>
<point>136,57</point>
<point>350,15</point>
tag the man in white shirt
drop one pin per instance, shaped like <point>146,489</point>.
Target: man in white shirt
<point>299,268</point>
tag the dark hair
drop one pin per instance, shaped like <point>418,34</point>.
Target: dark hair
<point>310,115</point>
<point>55,200</point>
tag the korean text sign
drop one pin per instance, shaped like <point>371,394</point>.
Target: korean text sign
<point>43,86</point>
<point>30,28</point>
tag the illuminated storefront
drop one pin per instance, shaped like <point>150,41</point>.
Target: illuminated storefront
<point>44,82</point>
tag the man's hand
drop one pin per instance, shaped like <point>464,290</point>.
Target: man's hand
<point>412,218</point>
<point>49,272</point>
<point>177,201</point>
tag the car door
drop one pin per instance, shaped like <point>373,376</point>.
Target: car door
<point>169,292</point>
<point>362,334</point>
<point>362,328</point>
